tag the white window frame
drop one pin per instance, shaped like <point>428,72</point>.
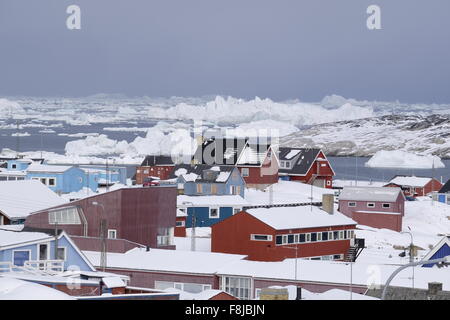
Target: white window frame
<point>328,183</point>
<point>307,237</point>
<point>370,204</point>
<point>183,224</point>
<point>113,231</point>
<point>218,212</point>
<point>38,251</point>
<point>21,250</point>
<point>388,205</point>
<point>245,172</point>
<point>253,237</point>
<point>65,253</point>
<point>287,164</point>
<point>54,182</point>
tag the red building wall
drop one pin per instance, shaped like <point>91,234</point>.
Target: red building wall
<point>433,185</point>
<point>136,214</point>
<point>232,235</point>
<point>162,172</point>
<point>181,231</point>
<point>381,221</point>
<point>318,171</point>
<point>265,174</point>
<point>397,206</point>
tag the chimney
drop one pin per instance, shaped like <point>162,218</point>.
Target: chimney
<point>434,288</point>
<point>299,293</point>
<point>147,248</point>
<point>328,203</point>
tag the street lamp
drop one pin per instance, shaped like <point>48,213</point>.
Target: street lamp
<point>102,235</point>
<point>411,248</point>
<point>296,258</point>
<point>185,203</point>
<point>445,261</point>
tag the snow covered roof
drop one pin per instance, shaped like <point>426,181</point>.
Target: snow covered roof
<point>332,294</point>
<point>370,194</point>
<point>181,213</point>
<point>282,218</point>
<point>204,295</point>
<point>410,181</point>
<point>48,168</point>
<point>9,238</point>
<point>229,200</point>
<point>445,188</point>
<point>338,183</point>
<point>301,160</point>
<point>20,198</point>
<point>113,282</point>
<point>166,260</point>
<point>202,173</point>
<point>444,241</point>
<point>15,289</point>
<point>334,272</point>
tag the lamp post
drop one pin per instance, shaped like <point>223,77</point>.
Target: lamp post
<point>296,258</point>
<point>445,261</point>
<point>411,248</point>
<point>103,226</point>
<point>185,203</point>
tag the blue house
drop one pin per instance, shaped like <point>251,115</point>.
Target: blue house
<point>444,194</point>
<point>102,176</point>
<point>18,164</point>
<point>441,250</point>
<point>200,180</point>
<point>35,250</point>
<point>60,179</point>
<point>209,210</point>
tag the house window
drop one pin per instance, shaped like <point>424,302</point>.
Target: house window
<point>341,235</point>
<point>20,256</point>
<point>296,238</point>
<point>237,210</point>
<point>282,164</point>
<point>61,253</point>
<point>188,287</point>
<point>261,237</point>
<point>319,236</point>
<point>164,237</point>
<point>313,237</point>
<point>80,179</point>
<point>245,172</point>
<point>14,166</point>
<point>199,188</point>
<point>288,164</point>
<point>308,237</point>
<point>302,238</point>
<point>214,213</point>
<point>290,238</point>
<point>64,216</point>
<point>51,182</point>
<point>279,240</point>
<point>328,183</point>
<point>336,235</point>
<point>112,234</point>
<point>44,181</point>
<point>386,205</point>
<point>237,286</point>
<point>370,205</point>
<point>324,236</point>
<point>352,204</point>
<point>180,223</point>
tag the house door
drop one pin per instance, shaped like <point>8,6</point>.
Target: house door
<point>319,183</point>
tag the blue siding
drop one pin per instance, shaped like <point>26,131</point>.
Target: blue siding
<point>71,180</point>
<point>442,198</point>
<point>441,253</point>
<point>20,165</point>
<point>235,179</point>
<point>73,258</point>
<point>202,216</point>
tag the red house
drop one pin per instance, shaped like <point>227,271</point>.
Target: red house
<point>376,207</point>
<point>415,186</point>
<point>255,160</point>
<point>274,234</point>
<point>142,215</point>
<point>180,228</point>
<point>154,166</point>
<point>306,165</point>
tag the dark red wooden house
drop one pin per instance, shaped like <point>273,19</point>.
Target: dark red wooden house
<point>154,166</point>
<point>306,165</point>
<point>413,186</point>
<point>145,216</point>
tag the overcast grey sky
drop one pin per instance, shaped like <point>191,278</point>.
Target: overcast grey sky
<point>281,49</point>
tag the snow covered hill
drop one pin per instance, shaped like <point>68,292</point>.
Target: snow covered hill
<point>421,134</point>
